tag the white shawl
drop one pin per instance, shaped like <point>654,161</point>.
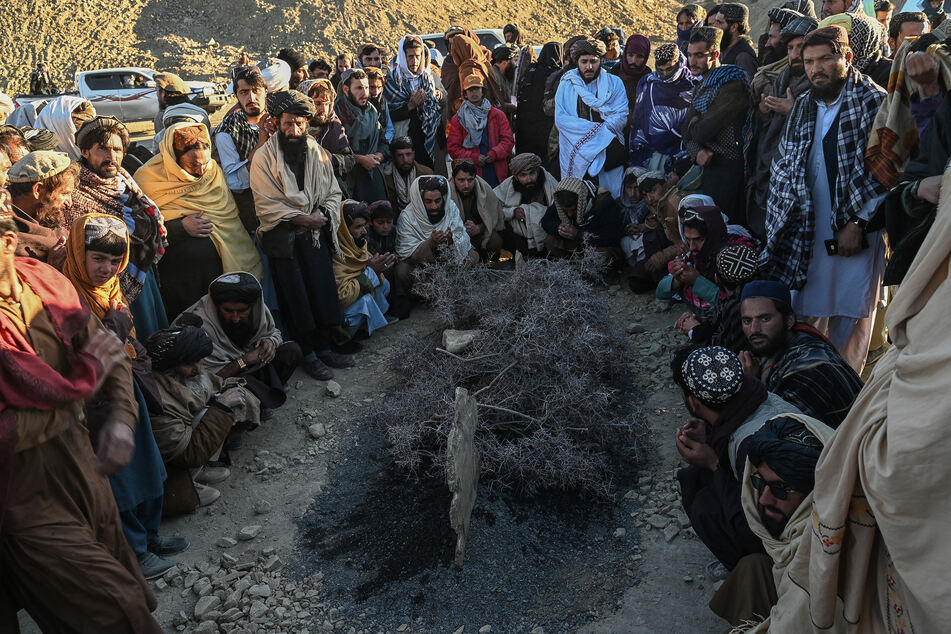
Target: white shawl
<point>413,226</point>
<point>531,229</point>
<point>276,196</point>
<point>57,117</point>
<point>583,142</point>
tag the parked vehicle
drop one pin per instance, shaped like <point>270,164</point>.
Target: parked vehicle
<point>129,93</point>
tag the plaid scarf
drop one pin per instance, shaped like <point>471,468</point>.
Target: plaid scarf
<point>791,220</point>
<point>237,127</point>
<point>707,93</point>
<point>398,89</point>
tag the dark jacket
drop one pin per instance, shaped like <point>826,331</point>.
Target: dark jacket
<point>602,228</point>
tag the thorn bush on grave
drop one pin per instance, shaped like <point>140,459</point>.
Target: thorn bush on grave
<point>549,370</point>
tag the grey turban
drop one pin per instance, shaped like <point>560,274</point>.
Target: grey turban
<point>524,161</point>
<point>177,346</point>
<point>291,102</point>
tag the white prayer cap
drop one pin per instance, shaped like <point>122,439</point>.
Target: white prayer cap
<point>277,74</point>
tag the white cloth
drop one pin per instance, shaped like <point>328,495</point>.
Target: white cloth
<point>181,112</point>
<point>836,286</point>
<point>6,106</point>
<point>531,228</point>
<point>235,168</point>
<point>413,226</point>
<point>583,142</point>
<point>26,115</point>
<point>57,117</point>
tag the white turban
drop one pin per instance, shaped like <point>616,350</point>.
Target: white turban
<point>6,106</point>
<point>277,74</point>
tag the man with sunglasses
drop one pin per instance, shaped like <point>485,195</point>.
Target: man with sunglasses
<point>777,486</point>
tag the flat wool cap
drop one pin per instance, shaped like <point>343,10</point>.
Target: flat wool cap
<point>170,82</point>
<point>38,166</point>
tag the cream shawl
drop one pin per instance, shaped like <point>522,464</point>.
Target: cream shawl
<point>276,195</point>
<point>178,194</point>
<point>531,229</point>
<point>350,262</point>
<point>881,510</point>
<point>413,226</point>
<point>489,208</point>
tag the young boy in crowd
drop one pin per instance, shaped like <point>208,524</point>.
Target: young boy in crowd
<point>382,238</point>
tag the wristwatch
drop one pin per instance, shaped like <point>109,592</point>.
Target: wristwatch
<point>241,363</point>
<point>861,222</point>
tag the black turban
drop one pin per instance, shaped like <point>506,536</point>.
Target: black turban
<point>39,139</point>
<point>291,102</point>
<point>294,59</point>
<point>240,287</point>
<point>179,345</point>
<point>789,449</point>
<point>502,52</point>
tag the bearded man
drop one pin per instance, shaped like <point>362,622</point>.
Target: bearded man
<point>41,188</point>
<point>362,124</point>
<point>774,108</point>
<point>480,208</point>
<point>822,198</point>
<point>376,82</point>
<point>733,20</point>
<point>298,64</point>
<point>239,136</point>
<point>298,203</point>
<point>404,170</point>
<point>416,100</point>
<point>55,504</point>
<point>104,186</point>
<point>591,115</point>
<point>327,128</point>
<point>503,70</point>
<point>525,197</point>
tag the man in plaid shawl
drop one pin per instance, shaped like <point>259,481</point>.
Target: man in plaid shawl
<point>822,198</point>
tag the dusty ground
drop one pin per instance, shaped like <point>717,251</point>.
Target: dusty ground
<point>324,557</point>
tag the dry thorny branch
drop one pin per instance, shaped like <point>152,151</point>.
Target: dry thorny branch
<point>548,369</point>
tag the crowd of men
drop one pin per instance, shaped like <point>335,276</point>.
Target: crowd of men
<point>155,299</point>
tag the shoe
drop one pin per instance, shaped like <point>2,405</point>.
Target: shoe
<point>350,347</point>
<point>213,475</point>
<point>206,495</point>
<point>154,566</point>
<point>162,546</point>
<point>335,359</point>
<point>266,414</point>
<point>235,440</point>
<point>318,370</point>
<point>391,319</point>
<point>876,354</point>
<point>717,571</point>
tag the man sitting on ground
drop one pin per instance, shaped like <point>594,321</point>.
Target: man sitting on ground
<point>480,208</point>
<point>581,214</point>
<point>777,500</point>
<point>525,197</point>
<point>199,411</point>
<point>41,187</point>
<point>432,223</point>
<point>793,359</point>
<point>727,407</point>
<point>246,343</point>
<point>403,172</point>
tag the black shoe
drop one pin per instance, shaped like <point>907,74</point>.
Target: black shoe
<point>335,359</point>
<point>234,441</point>
<point>154,566</point>
<point>318,370</point>
<point>162,546</point>
<point>350,347</point>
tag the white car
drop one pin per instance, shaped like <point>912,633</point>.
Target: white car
<point>129,93</point>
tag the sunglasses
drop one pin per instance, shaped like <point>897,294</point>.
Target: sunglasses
<point>690,214</point>
<point>780,490</point>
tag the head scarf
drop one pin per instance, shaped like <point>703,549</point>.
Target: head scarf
<point>805,7</point>
<point>639,45</point>
<point>101,299</point>
<point>586,192</point>
<point>683,35</point>
<point>239,287</point>
<point>6,106</point>
<point>172,347</point>
<point>783,17</point>
<point>666,53</point>
<point>799,27</point>
<point>789,449</point>
<point>524,161</point>
<point>57,117</point>
<point>292,102</point>
<point>713,374</point>
<point>587,47</point>
<point>866,38</point>
<point>414,227</point>
<point>705,259</point>
<point>776,291</point>
<point>550,59</point>
<point>736,264</point>
<point>276,73</point>
<point>854,7</point>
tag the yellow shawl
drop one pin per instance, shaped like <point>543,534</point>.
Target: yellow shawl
<point>350,261</point>
<point>178,194</point>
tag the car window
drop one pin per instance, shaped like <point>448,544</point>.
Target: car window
<point>101,81</point>
<point>489,40</point>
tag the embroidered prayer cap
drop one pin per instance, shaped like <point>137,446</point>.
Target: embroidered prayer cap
<point>736,264</point>
<point>459,163</point>
<point>99,226</point>
<point>713,374</point>
<point>524,161</point>
<point>832,35</point>
<point>182,345</point>
<point>776,291</point>
<point>305,86</point>
<point>454,30</point>
<point>171,83</point>
<point>472,81</point>
<point>38,166</point>
<point>799,27</point>
<point>734,12</point>
<point>184,139</point>
<point>587,47</point>
<point>783,16</point>
<point>294,59</point>
<point>666,53</point>
<point>790,450</point>
<point>650,175</point>
<point>40,139</point>
<point>432,183</point>
<point>238,286</point>
<point>292,102</point>
<point>276,73</point>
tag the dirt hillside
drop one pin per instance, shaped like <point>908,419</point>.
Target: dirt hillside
<point>200,40</point>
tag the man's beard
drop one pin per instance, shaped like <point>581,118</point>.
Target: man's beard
<point>295,151</point>
<point>830,91</point>
<point>772,54</point>
<point>240,333</point>
<point>244,109</point>
<point>528,190</point>
<point>294,82</point>
<point>592,77</point>
<point>797,69</point>
<point>50,217</point>
<point>435,217</point>
<point>773,525</point>
<point>360,242</point>
<point>404,171</point>
<point>726,40</point>
<point>509,73</point>
<point>769,348</point>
